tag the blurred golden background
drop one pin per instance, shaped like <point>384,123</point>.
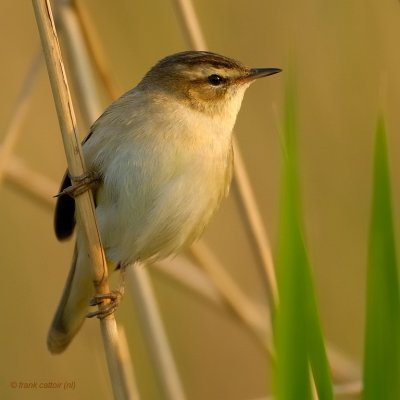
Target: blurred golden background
<point>347,62</point>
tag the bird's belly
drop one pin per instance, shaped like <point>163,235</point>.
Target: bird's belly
<point>153,215</point>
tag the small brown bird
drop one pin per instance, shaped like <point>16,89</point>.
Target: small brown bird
<point>162,157</point>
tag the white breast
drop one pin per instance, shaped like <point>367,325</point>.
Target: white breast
<point>165,172</point>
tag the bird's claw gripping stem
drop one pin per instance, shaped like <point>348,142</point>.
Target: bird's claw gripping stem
<point>115,298</point>
<point>80,184</point>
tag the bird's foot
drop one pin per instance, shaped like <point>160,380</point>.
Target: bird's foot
<point>80,184</point>
<point>115,298</point>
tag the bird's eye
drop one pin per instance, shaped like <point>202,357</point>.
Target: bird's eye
<point>216,80</point>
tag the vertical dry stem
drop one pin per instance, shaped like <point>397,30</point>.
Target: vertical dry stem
<point>244,191</point>
<point>155,334</point>
<point>80,66</point>
<point>84,202</point>
<point>190,24</point>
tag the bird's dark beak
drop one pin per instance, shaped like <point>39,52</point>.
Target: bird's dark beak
<point>256,73</point>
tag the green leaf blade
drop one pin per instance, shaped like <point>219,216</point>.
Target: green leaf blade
<point>382,333</point>
<point>298,335</point>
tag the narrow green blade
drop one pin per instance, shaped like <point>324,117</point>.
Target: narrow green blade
<point>382,331</point>
<point>298,336</point>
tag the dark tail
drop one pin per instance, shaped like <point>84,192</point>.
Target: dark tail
<point>73,306</point>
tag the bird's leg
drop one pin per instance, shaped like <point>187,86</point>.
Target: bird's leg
<point>115,297</point>
<point>80,184</point>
